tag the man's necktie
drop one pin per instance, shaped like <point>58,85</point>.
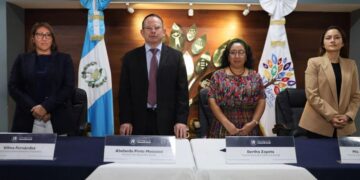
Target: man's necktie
<point>152,78</point>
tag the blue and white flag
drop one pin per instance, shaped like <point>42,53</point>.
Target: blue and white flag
<point>94,71</point>
<point>276,67</point>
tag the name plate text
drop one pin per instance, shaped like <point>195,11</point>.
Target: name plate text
<point>140,149</point>
<point>349,150</point>
<point>27,146</point>
<point>260,150</point>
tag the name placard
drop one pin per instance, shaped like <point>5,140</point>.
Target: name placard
<point>26,146</point>
<point>140,149</point>
<point>260,150</point>
<point>349,150</point>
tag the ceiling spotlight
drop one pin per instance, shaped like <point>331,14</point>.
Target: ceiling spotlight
<point>191,10</point>
<point>247,10</point>
<point>130,9</point>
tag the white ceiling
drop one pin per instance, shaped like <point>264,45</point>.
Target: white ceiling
<point>75,4</point>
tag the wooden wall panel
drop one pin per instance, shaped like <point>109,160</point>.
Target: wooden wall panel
<point>123,34</point>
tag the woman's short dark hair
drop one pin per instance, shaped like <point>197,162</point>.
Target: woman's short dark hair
<point>225,56</point>
<point>34,28</point>
<point>343,51</point>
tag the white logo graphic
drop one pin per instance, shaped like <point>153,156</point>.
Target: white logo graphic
<point>253,142</point>
<point>132,142</point>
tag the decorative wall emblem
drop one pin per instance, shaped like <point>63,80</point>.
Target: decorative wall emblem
<point>198,45</point>
<point>191,34</point>
<point>177,38</point>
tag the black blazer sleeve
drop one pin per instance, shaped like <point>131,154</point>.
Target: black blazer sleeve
<point>17,85</point>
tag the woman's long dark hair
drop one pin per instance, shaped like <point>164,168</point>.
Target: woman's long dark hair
<point>225,56</point>
<point>343,51</point>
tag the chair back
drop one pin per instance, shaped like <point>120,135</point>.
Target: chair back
<point>289,105</point>
<point>79,110</point>
<point>205,115</point>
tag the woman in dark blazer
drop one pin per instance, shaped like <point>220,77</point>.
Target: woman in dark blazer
<point>41,83</point>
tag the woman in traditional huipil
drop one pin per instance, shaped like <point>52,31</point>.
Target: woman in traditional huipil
<point>236,93</point>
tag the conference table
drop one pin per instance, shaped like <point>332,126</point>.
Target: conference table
<point>183,168</point>
<point>211,165</point>
<point>321,157</point>
<point>78,157</point>
<point>82,158</point>
<point>75,158</point>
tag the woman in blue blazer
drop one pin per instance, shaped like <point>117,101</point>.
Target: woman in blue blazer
<point>41,83</point>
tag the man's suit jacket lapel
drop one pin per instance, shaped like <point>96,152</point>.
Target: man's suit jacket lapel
<point>142,64</point>
<point>163,61</point>
<point>143,72</point>
<point>330,76</point>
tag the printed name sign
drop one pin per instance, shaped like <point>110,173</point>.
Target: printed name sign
<point>260,150</point>
<point>140,149</point>
<point>26,146</point>
<point>349,150</point>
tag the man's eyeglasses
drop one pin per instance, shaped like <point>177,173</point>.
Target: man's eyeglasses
<point>43,35</point>
<point>152,28</point>
<point>240,53</point>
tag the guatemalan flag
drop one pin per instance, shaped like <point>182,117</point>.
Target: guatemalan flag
<point>94,71</point>
<point>276,66</point>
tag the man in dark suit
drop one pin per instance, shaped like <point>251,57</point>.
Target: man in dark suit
<point>153,95</point>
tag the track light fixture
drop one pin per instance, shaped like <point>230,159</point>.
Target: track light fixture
<point>247,9</point>
<point>191,10</point>
<point>130,9</point>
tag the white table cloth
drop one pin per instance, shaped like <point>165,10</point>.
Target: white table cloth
<point>211,165</point>
<point>183,169</point>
